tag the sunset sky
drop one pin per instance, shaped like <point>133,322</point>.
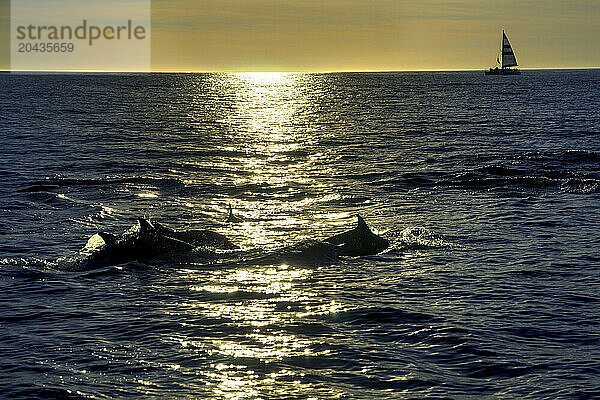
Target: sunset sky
<point>357,35</point>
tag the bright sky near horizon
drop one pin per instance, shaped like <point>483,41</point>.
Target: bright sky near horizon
<point>355,35</point>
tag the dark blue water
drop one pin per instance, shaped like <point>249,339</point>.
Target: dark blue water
<point>487,187</point>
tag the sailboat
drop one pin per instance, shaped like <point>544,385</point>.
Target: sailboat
<point>507,60</point>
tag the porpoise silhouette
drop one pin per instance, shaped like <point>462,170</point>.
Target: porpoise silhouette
<point>148,241</point>
<point>360,241</point>
<point>153,241</point>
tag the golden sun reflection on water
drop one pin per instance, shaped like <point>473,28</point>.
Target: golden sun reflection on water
<point>265,105</point>
<point>265,157</point>
<point>260,302</point>
<point>269,153</point>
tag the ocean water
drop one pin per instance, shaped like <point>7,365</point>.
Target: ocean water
<point>488,189</point>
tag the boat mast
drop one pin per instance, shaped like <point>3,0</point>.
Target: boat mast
<point>502,50</point>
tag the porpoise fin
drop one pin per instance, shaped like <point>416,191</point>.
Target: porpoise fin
<point>108,238</point>
<point>362,225</point>
<point>146,227</point>
<point>230,216</point>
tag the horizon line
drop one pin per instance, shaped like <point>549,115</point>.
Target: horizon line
<point>281,71</point>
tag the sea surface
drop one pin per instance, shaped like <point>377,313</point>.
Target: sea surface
<point>488,189</point>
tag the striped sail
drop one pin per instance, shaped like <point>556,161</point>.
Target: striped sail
<point>508,56</point>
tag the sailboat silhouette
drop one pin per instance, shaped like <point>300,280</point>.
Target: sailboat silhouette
<point>508,60</point>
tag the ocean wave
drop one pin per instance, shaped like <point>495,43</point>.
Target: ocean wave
<point>566,156</point>
<point>382,315</point>
<point>487,370</point>
<point>34,188</point>
<point>580,186</point>
<point>566,334</point>
<point>469,181</point>
<point>52,183</point>
<point>32,391</point>
<point>496,176</point>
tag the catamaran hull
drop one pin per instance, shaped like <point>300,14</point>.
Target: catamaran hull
<point>504,71</point>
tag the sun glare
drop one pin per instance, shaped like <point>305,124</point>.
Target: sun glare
<point>261,78</point>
